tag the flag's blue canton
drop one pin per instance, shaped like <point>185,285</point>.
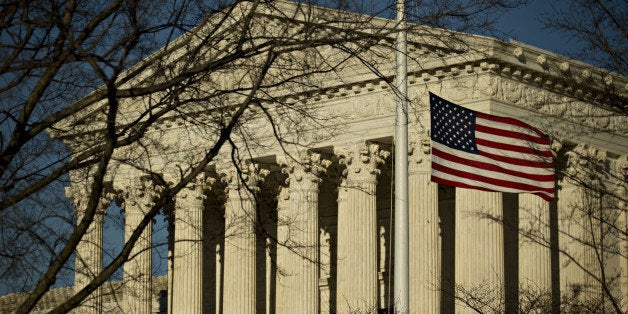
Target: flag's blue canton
<point>453,125</point>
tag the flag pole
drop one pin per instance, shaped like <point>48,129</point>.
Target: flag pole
<point>401,271</point>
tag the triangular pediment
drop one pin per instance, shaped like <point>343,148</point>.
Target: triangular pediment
<point>320,54</point>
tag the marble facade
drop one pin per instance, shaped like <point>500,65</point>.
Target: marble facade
<point>307,229</point>
<point>328,249</point>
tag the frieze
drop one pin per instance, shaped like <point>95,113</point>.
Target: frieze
<point>512,91</point>
<point>487,85</point>
<point>533,98</point>
<point>536,100</point>
<point>487,79</point>
<point>372,106</point>
<point>460,88</point>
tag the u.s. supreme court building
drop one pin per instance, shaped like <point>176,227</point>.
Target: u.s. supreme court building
<point>294,213</point>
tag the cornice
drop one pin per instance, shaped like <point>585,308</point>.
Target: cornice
<point>435,61</point>
<point>578,85</point>
<point>563,74</point>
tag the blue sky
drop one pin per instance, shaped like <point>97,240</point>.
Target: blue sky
<point>524,25</point>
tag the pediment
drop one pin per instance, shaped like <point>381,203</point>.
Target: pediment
<point>324,60</point>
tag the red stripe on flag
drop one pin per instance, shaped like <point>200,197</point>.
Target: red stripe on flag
<point>516,161</point>
<point>512,156</point>
<point>513,148</point>
<point>490,167</point>
<point>512,121</point>
<point>467,186</point>
<point>504,183</point>
<point>512,134</point>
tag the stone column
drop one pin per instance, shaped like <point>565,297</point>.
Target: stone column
<point>89,253</point>
<point>138,290</point>
<point>593,228</point>
<point>570,232</point>
<point>188,247</point>
<point>343,282</point>
<point>621,180</point>
<point>300,235</point>
<point>579,221</point>
<point>479,264</point>
<point>357,229</point>
<point>240,219</point>
<point>284,294</point>
<point>425,256</point>
<point>535,263</point>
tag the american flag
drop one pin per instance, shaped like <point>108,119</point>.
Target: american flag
<point>475,150</point>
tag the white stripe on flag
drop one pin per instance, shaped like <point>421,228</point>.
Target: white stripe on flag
<point>462,154</point>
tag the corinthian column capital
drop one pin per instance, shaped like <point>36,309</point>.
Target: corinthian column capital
<point>246,174</point>
<point>195,190</point>
<point>420,150</point>
<point>140,194</point>
<point>585,165</point>
<point>79,193</point>
<point>362,161</point>
<point>304,170</point>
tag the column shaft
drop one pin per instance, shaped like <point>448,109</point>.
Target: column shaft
<point>138,277</point>
<point>299,233</point>
<point>357,288</point>
<point>170,272</point>
<point>298,259</point>
<point>357,249</point>
<point>89,261</point>
<point>621,173</point>
<point>188,263</point>
<point>479,251</point>
<point>535,273</point>
<point>306,283</point>
<point>623,256</point>
<point>362,257</point>
<point>299,284</point>
<point>138,270</point>
<point>572,226</point>
<point>284,265</point>
<point>343,265</point>
<point>240,272</point>
<point>424,244</point>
